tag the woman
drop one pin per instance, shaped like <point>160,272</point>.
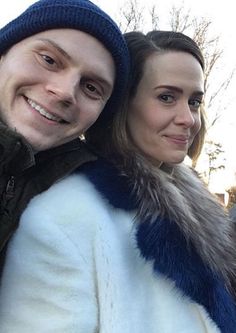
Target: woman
<point>133,242</point>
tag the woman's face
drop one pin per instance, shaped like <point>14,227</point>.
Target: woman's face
<point>164,115</point>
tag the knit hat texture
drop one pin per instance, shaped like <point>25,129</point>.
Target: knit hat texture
<point>81,15</point>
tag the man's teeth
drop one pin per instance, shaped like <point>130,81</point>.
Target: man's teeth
<point>43,112</point>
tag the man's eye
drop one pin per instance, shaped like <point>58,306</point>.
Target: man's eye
<point>48,59</point>
<point>166,98</point>
<point>91,88</point>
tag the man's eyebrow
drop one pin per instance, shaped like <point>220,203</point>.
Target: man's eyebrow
<point>56,46</point>
<point>67,56</point>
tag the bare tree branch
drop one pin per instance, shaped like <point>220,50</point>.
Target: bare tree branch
<point>154,17</point>
<point>180,20</point>
<point>131,16</point>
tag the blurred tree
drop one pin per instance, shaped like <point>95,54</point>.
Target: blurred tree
<point>199,29</point>
<point>131,16</point>
<point>214,153</point>
<point>232,197</point>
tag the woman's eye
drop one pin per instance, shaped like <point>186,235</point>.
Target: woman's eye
<point>195,103</point>
<point>166,98</point>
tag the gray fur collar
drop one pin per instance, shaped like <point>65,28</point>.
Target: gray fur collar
<point>179,194</point>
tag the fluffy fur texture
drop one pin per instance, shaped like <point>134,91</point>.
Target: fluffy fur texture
<point>184,231</point>
<point>73,266</point>
<point>178,194</point>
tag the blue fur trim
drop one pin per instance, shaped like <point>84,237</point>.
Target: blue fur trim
<point>163,243</point>
<point>110,184</point>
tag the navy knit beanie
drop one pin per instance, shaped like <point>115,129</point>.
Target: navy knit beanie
<point>82,15</point>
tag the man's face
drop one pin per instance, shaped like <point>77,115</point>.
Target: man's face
<point>54,86</point>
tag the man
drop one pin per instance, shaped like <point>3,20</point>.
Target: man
<point>62,63</point>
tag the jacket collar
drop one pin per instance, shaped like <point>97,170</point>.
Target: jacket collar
<point>16,154</point>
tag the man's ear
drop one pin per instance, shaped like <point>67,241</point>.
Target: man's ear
<point>1,58</point>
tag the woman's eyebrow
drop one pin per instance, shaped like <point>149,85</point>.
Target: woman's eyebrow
<point>166,86</point>
<point>177,89</point>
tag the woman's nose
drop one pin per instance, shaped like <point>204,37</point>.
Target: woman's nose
<point>184,115</point>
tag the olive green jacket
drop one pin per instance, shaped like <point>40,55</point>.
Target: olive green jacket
<point>24,174</point>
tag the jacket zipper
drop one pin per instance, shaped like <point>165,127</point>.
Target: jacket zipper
<point>10,188</point>
<point>7,196</point>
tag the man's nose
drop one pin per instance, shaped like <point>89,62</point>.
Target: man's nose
<point>63,87</point>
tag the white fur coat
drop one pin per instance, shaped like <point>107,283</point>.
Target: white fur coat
<point>73,266</point>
